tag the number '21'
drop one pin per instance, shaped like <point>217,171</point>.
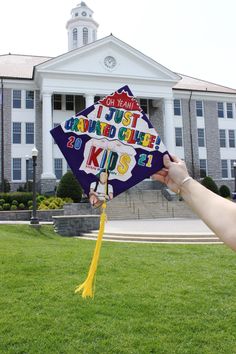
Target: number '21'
<point>145,160</point>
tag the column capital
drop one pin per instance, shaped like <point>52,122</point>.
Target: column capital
<point>89,99</point>
<point>169,100</point>
<point>45,94</point>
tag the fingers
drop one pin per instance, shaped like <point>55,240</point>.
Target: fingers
<point>159,178</point>
<point>175,158</point>
<point>167,161</point>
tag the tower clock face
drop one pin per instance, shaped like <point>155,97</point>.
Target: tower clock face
<point>84,13</point>
<point>110,62</point>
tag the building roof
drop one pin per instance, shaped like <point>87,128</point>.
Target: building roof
<point>19,66</point>
<point>192,84</point>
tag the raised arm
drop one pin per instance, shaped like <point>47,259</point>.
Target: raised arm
<point>218,213</point>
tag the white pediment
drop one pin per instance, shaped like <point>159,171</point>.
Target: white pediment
<point>108,57</point>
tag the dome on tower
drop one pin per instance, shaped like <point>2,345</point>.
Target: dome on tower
<point>81,27</point>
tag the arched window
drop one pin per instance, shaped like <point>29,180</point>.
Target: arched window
<point>85,35</point>
<point>75,36</point>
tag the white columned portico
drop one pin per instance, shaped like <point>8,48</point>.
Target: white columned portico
<point>47,147</point>
<point>89,100</point>
<point>169,136</point>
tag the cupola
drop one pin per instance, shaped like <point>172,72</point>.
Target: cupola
<point>81,27</point>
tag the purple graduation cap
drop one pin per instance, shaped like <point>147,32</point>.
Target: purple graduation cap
<point>110,146</point>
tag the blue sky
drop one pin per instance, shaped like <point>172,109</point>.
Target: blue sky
<point>192,37</point>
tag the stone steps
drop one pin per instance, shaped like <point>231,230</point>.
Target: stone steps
<point>176,238</point>
<point>146,204</point>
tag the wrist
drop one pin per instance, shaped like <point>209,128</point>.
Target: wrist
<point>183,185</point>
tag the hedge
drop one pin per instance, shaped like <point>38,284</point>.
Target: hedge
<point>20,197</point>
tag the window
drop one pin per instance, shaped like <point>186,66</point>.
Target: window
<point>201,137</point>
<point>58,168</point>
<point>29,100</point>
<point>203,168</point>
<point>16,98</point>
<point>29,133</point>
<point>69,103</point>
<point>222,138</point>
<point>224,168</point>
<point>220,107</point>
<point>199,109</point>
<point>30,170</point>
<point>57,102</point>
<point>75,36</point>
<point>16,134</point>
<point>229,110</point>
<point>177,108</point>
<point>232,168</point>
<point>178,137</point>
<point>231,139</point>
<point>16,169</point>
<point>85,35</point>
<point>144,105</point>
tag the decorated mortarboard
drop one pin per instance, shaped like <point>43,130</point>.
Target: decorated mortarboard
<point>110,147</point>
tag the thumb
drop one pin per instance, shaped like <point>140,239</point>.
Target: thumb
<point>166,161</point>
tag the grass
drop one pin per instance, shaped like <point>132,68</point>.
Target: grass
<point>149,298</point>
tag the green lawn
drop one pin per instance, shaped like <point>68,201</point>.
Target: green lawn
<point>149,298</point>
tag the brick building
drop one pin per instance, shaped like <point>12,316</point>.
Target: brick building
<point>196,119</point>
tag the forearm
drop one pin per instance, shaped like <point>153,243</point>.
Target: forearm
<point>218,213</point>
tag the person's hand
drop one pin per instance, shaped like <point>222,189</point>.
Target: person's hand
<point>173,174</point>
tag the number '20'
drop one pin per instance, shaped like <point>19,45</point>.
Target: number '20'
<point>74,143</point>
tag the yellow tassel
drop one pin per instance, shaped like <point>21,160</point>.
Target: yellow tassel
<point>87,286</point>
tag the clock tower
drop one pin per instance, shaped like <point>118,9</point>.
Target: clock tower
<point>81,27</point>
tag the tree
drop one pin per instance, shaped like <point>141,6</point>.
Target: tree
<point>69,187</point>
<point>225,191</point>
<point>210,184</point>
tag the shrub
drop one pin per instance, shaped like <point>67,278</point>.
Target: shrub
<point>28,187</point>
<point>30,203</point>
<point>6,206</point>
<point>210,184</point>
<point>14,202</point>
<point>6,186</point>
<point>2,201</point>
<point>21,206</point>
<point>68,200</point>
<point>21,197</point>
<point>225,191</point>
<point>43,207</point>
<point>20,189</point>
<point>1,208</point>
<point>13,207</point>
<point>46,202</point>
<point>53,203</point>
<point>40,198</point>
<point>69,187</point>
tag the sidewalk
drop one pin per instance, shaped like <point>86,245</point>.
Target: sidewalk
<point>148,226</point>
<point>152,226</point>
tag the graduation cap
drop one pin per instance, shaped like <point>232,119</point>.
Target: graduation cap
<point>110,147</point>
